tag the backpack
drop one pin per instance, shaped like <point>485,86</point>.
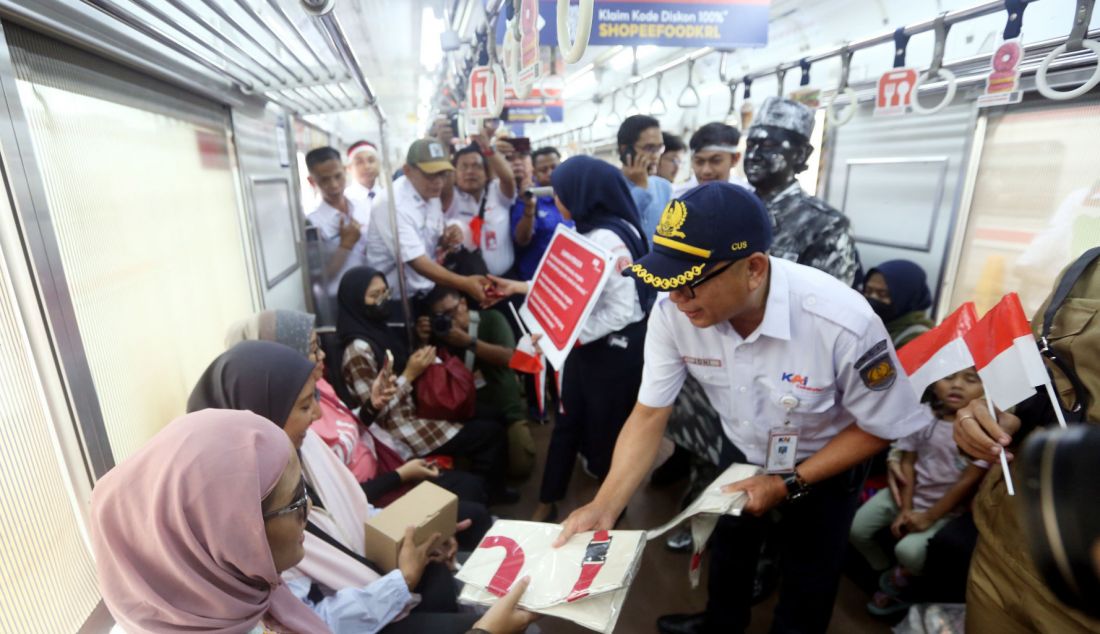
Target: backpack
<point>1068,330</point>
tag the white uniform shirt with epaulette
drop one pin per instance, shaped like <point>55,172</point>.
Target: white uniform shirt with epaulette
<point>819,342</point>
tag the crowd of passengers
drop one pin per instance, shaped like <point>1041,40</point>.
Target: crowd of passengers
<point>247,514</point>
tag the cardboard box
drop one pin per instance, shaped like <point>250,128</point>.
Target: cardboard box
<point>428,507</point>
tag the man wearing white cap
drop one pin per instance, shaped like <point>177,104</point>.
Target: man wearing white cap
<point>363,167</point>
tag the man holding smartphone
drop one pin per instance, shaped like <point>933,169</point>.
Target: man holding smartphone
<point>640,148</point>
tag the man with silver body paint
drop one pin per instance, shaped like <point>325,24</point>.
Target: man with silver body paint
<point>807,230</point>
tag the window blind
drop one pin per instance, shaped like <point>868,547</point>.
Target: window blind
<point>47,579</point>
<point>143,198</point>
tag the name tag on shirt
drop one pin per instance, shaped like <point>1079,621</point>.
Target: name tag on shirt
<point>782,449</point>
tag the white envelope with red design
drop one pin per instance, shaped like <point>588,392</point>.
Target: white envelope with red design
<point>585,581</point>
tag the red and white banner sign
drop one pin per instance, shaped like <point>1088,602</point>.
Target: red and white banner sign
<point>567,283</point>
<point>939,352</point>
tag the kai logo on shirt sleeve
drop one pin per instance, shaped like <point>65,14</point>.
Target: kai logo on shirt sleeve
<point>876,367</point>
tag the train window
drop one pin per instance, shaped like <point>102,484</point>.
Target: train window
<point>143,198</point>
<point>47,579</point>
<point>1036,203</point>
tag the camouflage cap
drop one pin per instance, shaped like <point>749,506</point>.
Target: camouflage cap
<point>786,114</point>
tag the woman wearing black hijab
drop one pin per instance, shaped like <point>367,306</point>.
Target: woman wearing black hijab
<point>365,340</point>
<point>334,577</point>
<point>898,292</point>
<point>602,374</point>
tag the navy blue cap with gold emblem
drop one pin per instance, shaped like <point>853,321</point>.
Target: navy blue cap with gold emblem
<point>715,222</point>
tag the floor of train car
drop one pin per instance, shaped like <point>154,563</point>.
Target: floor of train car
<point>662,584</point>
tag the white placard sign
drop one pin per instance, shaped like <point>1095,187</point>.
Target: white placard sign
<point>567,283</point>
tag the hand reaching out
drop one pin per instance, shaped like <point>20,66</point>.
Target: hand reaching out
<point>504,617</point>
<point>506,287</point>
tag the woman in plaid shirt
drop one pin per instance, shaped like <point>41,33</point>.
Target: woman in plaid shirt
<point>362,331</point>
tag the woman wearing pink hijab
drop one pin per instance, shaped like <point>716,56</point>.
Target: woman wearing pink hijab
<point>192,531</point>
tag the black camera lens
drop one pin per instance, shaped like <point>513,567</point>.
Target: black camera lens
<point>441,324</point>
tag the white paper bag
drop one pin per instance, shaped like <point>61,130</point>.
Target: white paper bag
<point>585,581</point>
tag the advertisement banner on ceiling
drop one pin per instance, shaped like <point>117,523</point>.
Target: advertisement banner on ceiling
<point>672,23</point>
<point>539,106</point>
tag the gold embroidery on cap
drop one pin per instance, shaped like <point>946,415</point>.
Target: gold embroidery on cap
<point>672,218</point>
<point>680,246</point>
<point>737,246</point>
<point>667,283</point>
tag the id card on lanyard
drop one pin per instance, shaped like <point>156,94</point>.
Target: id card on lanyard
<point>783,441</point>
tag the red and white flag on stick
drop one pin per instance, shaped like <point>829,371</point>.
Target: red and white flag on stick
<point>939,352</point>
<point>1007,358</point>
<point>1008,361</point>
<point>528,360</point>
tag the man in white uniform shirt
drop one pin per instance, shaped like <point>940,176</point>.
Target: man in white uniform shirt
<point>482,203</point>
<point>341,221</point>
<point>419,227</point>
<point>806,382</point>
<point>363,167</point>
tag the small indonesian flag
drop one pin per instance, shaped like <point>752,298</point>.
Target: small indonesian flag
<point>939,352</point>
<point>475,231</point>
<point>1005,354</point>
<point>528,360</point>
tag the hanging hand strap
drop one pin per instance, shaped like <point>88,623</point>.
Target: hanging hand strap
<point>941,28</point>
<point>1015,9</point>
<point>781,76</point>
<point>804,64</point>
<point>1082,15</point>
<point>901,40</point>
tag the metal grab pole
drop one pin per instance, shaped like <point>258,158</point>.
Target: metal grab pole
<point>322,11</point>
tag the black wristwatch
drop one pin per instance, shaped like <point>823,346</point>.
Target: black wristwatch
<point>796,486</point>
<point>472,346</point>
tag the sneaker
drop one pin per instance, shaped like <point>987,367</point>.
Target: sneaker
<point>680,540</point>
<point>885,605</point>
<point>893,581</point>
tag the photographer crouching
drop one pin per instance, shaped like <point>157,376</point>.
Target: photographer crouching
<point>485,342</point>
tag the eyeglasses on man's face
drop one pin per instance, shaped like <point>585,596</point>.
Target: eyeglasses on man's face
<point>689,289</point>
